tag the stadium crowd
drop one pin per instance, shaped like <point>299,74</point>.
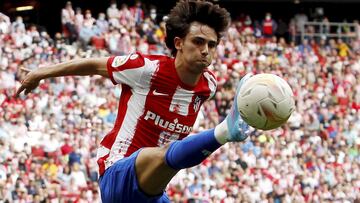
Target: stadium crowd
<point>48,139</point>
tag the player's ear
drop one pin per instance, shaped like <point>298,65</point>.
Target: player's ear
<point>178,43</point>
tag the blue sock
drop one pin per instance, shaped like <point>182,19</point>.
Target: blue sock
<point>192,150</point>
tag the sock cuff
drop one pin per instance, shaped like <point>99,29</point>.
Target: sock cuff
<point>221,132</point>
<point>168,154</point>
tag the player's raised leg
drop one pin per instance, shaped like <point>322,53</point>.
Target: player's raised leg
<point>155,167</point>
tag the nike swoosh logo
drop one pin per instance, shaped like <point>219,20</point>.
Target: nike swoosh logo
<point>159,93</point>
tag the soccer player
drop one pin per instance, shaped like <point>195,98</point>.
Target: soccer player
<point>160,99</point>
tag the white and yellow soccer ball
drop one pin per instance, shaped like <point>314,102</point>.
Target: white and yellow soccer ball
<point>265,101</point>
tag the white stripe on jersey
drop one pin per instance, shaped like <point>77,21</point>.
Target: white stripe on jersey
<point>212,83</point>
<point>136,106</point>
<point>181,100</point>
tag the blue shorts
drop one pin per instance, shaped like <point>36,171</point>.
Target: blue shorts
<point>119,184</point>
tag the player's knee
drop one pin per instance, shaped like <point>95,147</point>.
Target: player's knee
<point>154,156</point>
<point>162,153</point>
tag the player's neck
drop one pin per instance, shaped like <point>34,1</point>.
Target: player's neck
<point>185,75</point>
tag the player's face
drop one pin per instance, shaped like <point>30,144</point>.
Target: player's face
<point>198,47</point>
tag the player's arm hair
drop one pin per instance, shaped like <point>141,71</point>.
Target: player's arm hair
<point>81,67</point>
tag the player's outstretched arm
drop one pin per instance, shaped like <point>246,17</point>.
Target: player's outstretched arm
<point>91,66</point>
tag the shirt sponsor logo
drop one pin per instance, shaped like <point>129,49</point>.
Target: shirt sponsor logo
<point>172,126</point>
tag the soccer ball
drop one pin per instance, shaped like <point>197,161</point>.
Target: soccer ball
<point>265,101</point>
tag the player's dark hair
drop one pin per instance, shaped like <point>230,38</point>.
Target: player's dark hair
<point>187,11</point>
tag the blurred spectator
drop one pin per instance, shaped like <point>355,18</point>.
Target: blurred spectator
<point>89,21</point>
<point>78,176</point>
<point>102,23</point>
<point>4,24</point>
<point>88,30</point>
<point>153,14</point>
<point>269,26</point>
<point>282,29</point>
<point>112,38</point>
<point>137,12</point>
<point>18,25</point>
<point>125,17</point>
<point>113,14</point>
<point>300,19</point>
<point>79,19</point>
<point>68,21</point>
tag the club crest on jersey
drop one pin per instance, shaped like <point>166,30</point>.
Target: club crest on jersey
<point>197,103</point>
<point>119,61</point>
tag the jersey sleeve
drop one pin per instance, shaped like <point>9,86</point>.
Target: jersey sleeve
<point>126,69</point>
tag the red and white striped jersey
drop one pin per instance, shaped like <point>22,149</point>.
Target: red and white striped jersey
<point>155,107</point>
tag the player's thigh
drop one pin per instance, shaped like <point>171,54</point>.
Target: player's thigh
<point>119,183</point>
<point>152,172</point>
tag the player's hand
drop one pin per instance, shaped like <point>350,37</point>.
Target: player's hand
<point>30,82</point>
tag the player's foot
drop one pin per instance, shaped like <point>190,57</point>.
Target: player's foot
<point>237,128</point>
